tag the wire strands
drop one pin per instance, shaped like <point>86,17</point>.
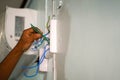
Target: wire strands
<point>37,44</point>
<point>37,65</point>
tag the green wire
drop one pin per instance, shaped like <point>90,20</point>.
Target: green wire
<point>48,24</point>
<point>38,31</point>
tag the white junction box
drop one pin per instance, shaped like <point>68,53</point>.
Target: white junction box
<point>43,66</point>
<point>53,36</point>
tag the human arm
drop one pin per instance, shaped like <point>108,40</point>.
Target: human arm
<point>9,63</point>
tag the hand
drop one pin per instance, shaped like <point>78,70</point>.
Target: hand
<point>27,38</point>
<point>9,63</point>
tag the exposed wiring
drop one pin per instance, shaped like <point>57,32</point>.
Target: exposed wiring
<point>33,75</point>
<point>38,31</point>
<point>48,24</point>
<point>46,34</point>
<point>36,66</point>
<point>37,44</point>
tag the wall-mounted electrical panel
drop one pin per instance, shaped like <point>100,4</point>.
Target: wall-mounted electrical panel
<point>16,20</point>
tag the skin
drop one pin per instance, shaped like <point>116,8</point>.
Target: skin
<point>9,63</point>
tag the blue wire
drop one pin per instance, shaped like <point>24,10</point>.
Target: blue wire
<point>47,33</point>
<point>24,67</point>
<point>29,67</point>
<point>37,44</point>
<point>41,41</point>
<point>38,64</point>
<point>43,56</point>
<point>41,60</point>
<point>30,76</point>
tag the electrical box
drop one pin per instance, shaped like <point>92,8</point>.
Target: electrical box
<point>16,20</point>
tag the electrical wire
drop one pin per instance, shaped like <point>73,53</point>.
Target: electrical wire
<point>38,64</point>
<point>30,76</point>
<point>37,44</point>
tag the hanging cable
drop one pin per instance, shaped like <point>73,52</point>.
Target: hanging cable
<point>37,45</point>
<point>37,65</point>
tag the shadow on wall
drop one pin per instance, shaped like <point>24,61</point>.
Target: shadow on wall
<point>25,60</point>
<point>63,41</point>
<point>4,48</point>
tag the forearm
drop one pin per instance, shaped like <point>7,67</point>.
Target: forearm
<point>9,63</point>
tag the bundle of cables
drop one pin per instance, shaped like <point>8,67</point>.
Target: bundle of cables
<point>37,45</point>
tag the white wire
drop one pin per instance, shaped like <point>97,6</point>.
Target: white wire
<point>54,54</point>
<point>54,67</point>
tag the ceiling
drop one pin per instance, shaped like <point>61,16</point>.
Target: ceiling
<point>10,3</point>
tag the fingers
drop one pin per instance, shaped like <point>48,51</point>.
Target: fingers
<point>30,30</point>
<point>31,33</point>
<point>37,36</point>
<point>34,34</point>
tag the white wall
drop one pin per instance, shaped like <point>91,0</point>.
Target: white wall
<point>89,40</point>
